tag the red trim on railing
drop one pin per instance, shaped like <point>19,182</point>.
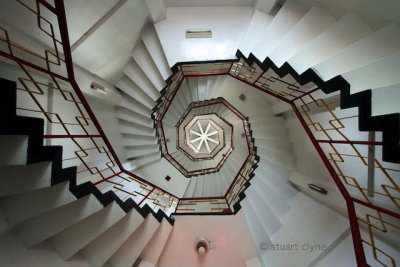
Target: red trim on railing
<point>350,142</point>
<point>372,206</point>
<point>105,179</point>
<point>26,63</point>
<point>200,198</point>
<point>204,74</point>
<point>72,136</point>
<point>48,6</point>
<point>148,194</point>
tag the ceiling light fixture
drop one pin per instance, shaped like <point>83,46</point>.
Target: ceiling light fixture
<point>201,245</point>
<point>98,88</point>
<point>198,33</point>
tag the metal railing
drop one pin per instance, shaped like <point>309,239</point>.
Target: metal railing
<point>70,122</point>
<point>373,210</point>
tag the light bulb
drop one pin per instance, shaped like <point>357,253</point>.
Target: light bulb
<point>201,250</point>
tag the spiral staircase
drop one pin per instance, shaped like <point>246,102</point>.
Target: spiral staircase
<point>61,204</point>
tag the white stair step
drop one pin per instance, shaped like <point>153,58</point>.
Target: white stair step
<point>385,100</point>
<point>275,164</point>
<point>17,179</point>
<point>283,22</point>
<point>382,43</point>
<point>268,218</point>
<point>210,86</point>
<point>131,89</point>
<point>225,182</point>
<point>143,160</point>
<point>270,133</point>
<point>198,191</point>
<point>193,85</point>
<point>143,58</point>
<point>219,188</point>
<point>276,202</point>
<point>262,119</point>
<point>254,262</point>
<point>217,82</point>
<point>150,39</point>
<point>382,73</point>
<point>137,140</point>
<point>155,247</point>
<point>256,228</point>
<point>186,92</point>
<point>44,226</point>
<point>102,248</point>
<point>172,115</point>
<point>135,73</point>
<point>135,106</point>
<point>257,112</point>
<point>279,182</point>
<point>137,129</point>
<point>344,32</point>
<point>141,150</point>
<point>128,115</point>
<point>190,188</point>
<point>17,208</point>
<point>207,192</point>
<point>131,249</point>
<point>73,239</point>
<point>274,168</point>
<point>183,99</point>
<point>229,174</point>
<point>307,222</point>
<point>17,147</point>
<point>202,87</point>
<point>284,159</point>
<point>14,253</point>
<point>178,104</point>
<point>273,144</point>
<point>259,22</point>
<point>313,23</point>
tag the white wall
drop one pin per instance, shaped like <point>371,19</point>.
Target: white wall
<point>228,25</point>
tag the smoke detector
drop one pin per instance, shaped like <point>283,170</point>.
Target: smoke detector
<point>201,245</point>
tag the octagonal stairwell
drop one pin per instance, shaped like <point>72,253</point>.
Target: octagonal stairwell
<point>304,100</point>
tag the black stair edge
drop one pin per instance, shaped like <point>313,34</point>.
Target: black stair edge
<point>388,124</point>
<point>11,124</point>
